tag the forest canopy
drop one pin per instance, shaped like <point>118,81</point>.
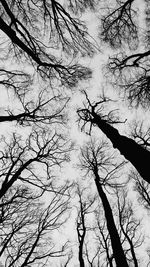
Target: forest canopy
<point>75,134</point>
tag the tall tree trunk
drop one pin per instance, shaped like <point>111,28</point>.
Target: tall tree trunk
<point>137,155</point>
<point>81,261</point>
<point>114,236</point>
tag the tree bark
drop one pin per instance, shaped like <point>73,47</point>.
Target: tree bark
<point>81,257</point>
<point>136,154</point>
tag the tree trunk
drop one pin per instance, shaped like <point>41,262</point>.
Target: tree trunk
<point>115,239</point>
<point>81,261</point>
<point>136,154</point>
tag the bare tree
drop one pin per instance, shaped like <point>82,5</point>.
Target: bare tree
<point>81,230</point>
<point>131,76</point>
<point>81,226</point>
<point>37,38</point>
<point>16,80</point>
<point>118,25</point>
<point>129,66</point>
<point>21,161</point>
<point>63,31</point>
<point>103,238</point>
<point>134,60</point>
<point>43,45</point>
<point>141,134</point>
<point>142,188</point>
<point>28,226</point>
<point>94,161</point>
<point>38,112</point>
<point>129,226</point>
<point>93,114</point>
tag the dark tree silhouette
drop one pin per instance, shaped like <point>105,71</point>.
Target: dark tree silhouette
<point>18,81</point>
<point>22,24</point>
<point>121,25</point>
<point>22,161</point>
<point>103,237</point>
<point>118,26</point>
<point>129,226</point>
<point>141,134</point>
<point>81,229</point>
<point>92,160</point>
<point>46,51</point>
<point>132,76</point>
<point>40,42</point>
<point>83,210</point>
<point>142,188</point>
<point>27,227</point>
<point>38,112</point>
<point>128,147</point>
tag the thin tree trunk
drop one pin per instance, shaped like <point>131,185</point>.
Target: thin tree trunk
<point>114,236</point>
<point>81,237</point>
<point>136,154</point>
<point>81,256</point>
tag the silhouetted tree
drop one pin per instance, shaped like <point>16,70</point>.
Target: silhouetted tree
<point>94,161</point>
<point>121,25</point>
<point>27,226</point>
<point>142,188</point>
<point>81,229</point>
<point>104,247</point>
<point>16,80</point>
<point>141,134</point>
<point>45,47</point>
<point>38,112</point>
<point>93,114</point>
<point>21,160</point>
<point>118,25</point>
<point>22,24</point>
<point>131,77</point>
<point>129,227</point>
<point>82,211</point>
